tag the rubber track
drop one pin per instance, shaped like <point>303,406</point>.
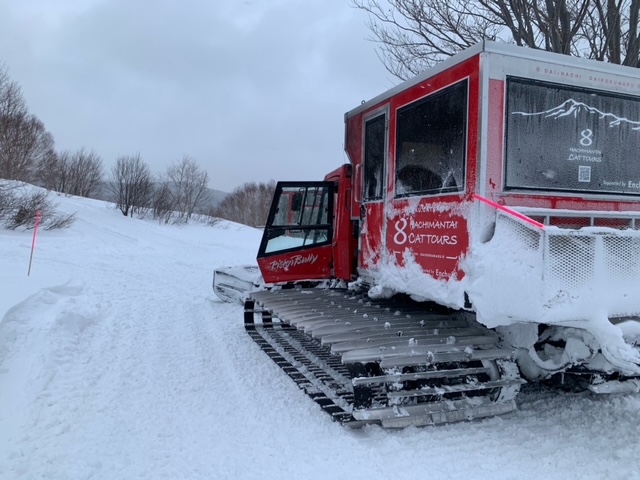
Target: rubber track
<point>326,377</point>
<point>328,405</point>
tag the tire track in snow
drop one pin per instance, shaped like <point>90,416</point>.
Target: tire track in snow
<point>47,367</point>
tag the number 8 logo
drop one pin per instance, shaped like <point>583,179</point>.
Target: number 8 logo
<point>400,237</point>
<point>587,137</point>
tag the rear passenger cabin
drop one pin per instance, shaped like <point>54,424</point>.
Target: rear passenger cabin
<point>553,137</point>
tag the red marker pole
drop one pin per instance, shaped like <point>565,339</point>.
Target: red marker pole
<point>33,242</point>
<point>509,210</point>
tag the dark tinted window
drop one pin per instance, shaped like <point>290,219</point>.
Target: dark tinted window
<point>570,139</point>
<point>430,143</point>
<point>374,147</point>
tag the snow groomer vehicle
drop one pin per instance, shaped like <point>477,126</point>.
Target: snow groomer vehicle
<point>485,233</point>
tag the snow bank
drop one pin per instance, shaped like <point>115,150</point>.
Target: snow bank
<point>126,366</point>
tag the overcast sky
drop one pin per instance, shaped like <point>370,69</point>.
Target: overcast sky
<point>252,89</point>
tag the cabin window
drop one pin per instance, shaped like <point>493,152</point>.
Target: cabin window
<point>431,143</point>
<point>374,158</point>
<point>300,217</point>
<point>561,138</point>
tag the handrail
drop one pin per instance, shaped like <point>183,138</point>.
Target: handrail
<point>632,216</point>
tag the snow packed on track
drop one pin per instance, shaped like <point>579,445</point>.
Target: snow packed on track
<point>117,361</point>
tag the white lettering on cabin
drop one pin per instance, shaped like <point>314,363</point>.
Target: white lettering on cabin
<point>585,155</point>
<point>286,263</point>
<point>608,183</point>
<point>583,158</point>
<point>401,237</point>
<point>430,239</point>
<point>415,224</point>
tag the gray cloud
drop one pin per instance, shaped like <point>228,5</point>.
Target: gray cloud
<point>253,90</point>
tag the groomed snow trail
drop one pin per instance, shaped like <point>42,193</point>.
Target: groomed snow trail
<point>119,362</point>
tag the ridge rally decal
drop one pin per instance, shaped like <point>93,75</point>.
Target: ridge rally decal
<point>293,261</point>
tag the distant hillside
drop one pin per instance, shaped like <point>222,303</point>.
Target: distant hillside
<point>104,193</point>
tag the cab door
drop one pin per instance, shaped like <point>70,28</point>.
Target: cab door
<point>297,240</point>
<point>372,178</point>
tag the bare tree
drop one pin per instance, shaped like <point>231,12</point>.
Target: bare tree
<point>85,173</point>
<point>248,204</point>
<point>74,173</point>
<point>416,34</point>
<point>53,170</point>
<point>188,187</point>
<point>11,101</point>
<point>131,184</point>
<point>24,142</point>
<point>611,29</point>
<point>162,202</point>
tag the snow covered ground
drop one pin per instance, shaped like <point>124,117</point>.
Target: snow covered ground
<point>118,362</point>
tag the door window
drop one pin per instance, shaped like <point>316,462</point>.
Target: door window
<point>374,149</point>
<point>300,217</point>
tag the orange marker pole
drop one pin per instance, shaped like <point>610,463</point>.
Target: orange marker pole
<point>33,242</point>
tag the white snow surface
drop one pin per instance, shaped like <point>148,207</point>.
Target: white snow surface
<point>117,361</point>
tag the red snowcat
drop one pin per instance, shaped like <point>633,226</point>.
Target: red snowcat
<point>485,233</point>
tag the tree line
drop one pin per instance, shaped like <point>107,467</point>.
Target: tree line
<point>415,34</point>
<point>412,35</point>
<point>28,154</point>
<point>181,193</point>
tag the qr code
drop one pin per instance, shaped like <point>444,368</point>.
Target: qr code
<point>584,173</point>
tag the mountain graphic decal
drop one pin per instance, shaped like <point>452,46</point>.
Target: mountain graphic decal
<point>572,107</point>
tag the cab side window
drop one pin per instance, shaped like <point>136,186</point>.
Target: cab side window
<point>431,143</point>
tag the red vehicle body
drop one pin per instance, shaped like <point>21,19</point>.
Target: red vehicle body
<point>423,153</point>
<point>503,185</point>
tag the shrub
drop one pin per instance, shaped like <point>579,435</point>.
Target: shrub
<point>19,207</point>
